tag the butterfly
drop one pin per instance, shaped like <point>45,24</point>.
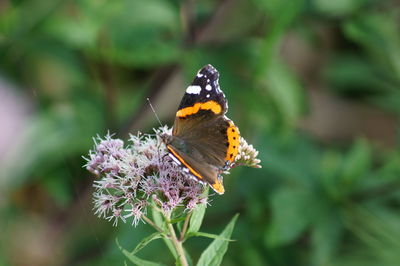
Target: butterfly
<point>204,142</point>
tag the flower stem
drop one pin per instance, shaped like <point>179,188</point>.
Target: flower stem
<point>185,226</point>
<point>150,222</point>
<point>177,244</point>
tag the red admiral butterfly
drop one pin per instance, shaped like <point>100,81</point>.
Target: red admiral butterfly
<point>204,141</point>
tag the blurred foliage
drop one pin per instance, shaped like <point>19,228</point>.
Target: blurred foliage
<point>313,84</point>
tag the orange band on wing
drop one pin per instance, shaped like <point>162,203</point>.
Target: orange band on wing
<point>185,163</point>
<point>233,140</point>
<point>210,105</point>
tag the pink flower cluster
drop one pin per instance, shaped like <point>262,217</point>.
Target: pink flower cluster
<point>134,176</point>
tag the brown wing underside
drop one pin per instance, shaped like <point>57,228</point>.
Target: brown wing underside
<point>203,172</point>
<point>206,134</point>
<point>202,144</point>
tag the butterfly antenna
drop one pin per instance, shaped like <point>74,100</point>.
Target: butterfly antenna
<point>151,106</point>
<point>158,119</point>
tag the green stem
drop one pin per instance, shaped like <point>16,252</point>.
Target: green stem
<point>150,222</point>
<point>177,243</point>
<point>185,227</point>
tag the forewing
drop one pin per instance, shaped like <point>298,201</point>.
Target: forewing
<point>203,94</point>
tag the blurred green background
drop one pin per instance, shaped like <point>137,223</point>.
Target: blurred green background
<point>313,84</point>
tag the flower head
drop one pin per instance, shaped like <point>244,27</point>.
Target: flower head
<point>247,155</point>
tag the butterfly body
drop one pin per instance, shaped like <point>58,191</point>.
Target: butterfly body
<point>204,141</point>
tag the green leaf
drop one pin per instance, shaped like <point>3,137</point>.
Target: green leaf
<point>289,215</point>
<point>146,241</point>
<point>357,163</point>
<point>188,257</point>
<point>197,218</point>
<point>157,217</point>
<point>325,238</point>
<point>138,261</point>
<point>214,253</point>
<point>177,220</point>
<point>285,90</point>
<point>378,33</point>
<point>282,13</point>
<point>338,7</point>
<point>159,221</point>
<point>209,236</point>
<point>349,73</point>
<point>331,163</point>
<point>134,259</point>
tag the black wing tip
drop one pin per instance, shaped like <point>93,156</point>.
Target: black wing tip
<point>210,68</point>
<point>210,71</point>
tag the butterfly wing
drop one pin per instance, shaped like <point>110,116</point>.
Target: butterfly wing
<point>202,171</point>
<point>203,94</point>
<point>204,140</point>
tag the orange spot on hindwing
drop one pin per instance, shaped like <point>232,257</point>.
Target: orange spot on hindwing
<point>233,141</point>
<point>191,110</point>
<point>218,187</point>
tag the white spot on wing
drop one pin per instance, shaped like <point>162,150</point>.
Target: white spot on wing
<point>208,87</point>
<point>226,118</point>
<point>194,89</point>
<point>174,159</point>
<point>191,176</point>
<point>208,96</point>
<point>218,89</point>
